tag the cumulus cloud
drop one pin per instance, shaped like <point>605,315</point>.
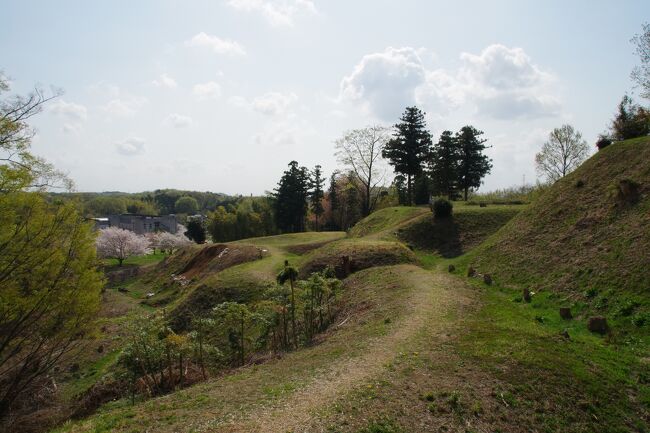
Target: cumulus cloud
<point>209,90</point>
<point>178,120</point>
<point>505,83</point>
<point>216,44</point>
<point>277,136</point>
<point>69,110</point>
<point>131,146</point>
<point>500,82</point>
<point>276,12</point>
<point>165,81</point>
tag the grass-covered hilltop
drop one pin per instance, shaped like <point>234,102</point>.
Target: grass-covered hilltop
<point>392,335</point>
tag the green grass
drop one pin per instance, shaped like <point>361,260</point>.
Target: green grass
<point>146,259</point>
<point>385,219</point>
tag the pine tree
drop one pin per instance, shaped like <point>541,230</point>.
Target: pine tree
<point>291,199</point>
<point>444,165</point>
<point>473,164</point>
<point>333,196</point>
<point>316,195</point>
<point>409,147</point>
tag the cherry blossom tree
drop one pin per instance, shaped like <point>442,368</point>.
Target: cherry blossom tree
<point>169,242</point>
<point>119,244</point>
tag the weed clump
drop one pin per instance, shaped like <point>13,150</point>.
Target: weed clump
<point>441,208</point>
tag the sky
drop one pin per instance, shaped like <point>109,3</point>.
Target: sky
<point>220,95</point>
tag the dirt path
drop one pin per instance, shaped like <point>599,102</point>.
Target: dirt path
<point>388,234</point>
<point>432,299</point>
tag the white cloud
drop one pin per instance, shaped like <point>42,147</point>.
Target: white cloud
<point>216,44</point>
<point>131,146</point>
<point>165,81</point>
<point>209,90</point>
<point>270,104</point>
<point>384,83</point>
<point>276,136</point>
<point>276,12</point>
<point>500,82</point>
<point>70,110</point>
<point>506,84</point>
<point>178,120</point>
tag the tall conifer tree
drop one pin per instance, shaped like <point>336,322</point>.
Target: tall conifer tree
<point>409,147</point>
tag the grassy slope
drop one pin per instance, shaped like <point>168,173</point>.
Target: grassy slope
<point>473,359</point>
<point>576,242</point>
<point>469,226</point>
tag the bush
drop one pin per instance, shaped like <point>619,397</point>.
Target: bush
<point>441,208</point>
<point>603,142</point>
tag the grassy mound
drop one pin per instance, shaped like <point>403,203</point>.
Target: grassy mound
<point>362,254</point>
<point>451,237</point>
<point>587,237</point>
<point>385,219</point>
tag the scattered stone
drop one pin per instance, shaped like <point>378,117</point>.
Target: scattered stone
<point>565,334</point>
<point>598,324</point>
<point>74,368</point>
<point>150,295</point>
<point>100,349</point>
<point>451,268</point>
<point>527,296</point>
<point>104,328</point>
<point>487,279</point>
<point>471,272</point>
<point>123,290</point>
<point>565,313</point>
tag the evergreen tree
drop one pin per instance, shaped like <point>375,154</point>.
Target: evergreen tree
<point>421,188</point>
<point>631,120</point>
<point>195,231</point>
<point>316,195</point>
<point>291,199</point>
<point>473,164</point>
<point>352,207</point>
<point>444,165</point>
<point>400,186</point>
<point>409,147</point>
<point>335,206</point>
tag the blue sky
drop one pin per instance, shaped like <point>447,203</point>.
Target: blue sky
<point>221,95</point>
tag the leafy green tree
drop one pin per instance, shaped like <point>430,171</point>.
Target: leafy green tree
<point>291,199</point>
<point>473,165</point>
<point>409,147</point>
<point>49,285</point>
<point>351,212</point>
<point>195,231</point>
<point>236,320</point>
<point>186,205</point>
<point>316,195</point>
<point>289,273</point>
<point>444,164</point>
<point>141,207</point>
<point>102,206</point>
<point>421,189</point>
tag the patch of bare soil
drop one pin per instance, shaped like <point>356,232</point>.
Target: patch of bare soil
<point>215,258</point>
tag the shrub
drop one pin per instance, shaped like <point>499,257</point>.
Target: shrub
<point>441,208</point>
<point>603,142</point>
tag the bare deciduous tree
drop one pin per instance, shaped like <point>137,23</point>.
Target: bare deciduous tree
<point>641,73</point>
<point>360,150</point>
<point>564,151</point>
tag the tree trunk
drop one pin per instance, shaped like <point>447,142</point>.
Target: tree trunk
<point>466,191</point>
<point>409,190</point>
